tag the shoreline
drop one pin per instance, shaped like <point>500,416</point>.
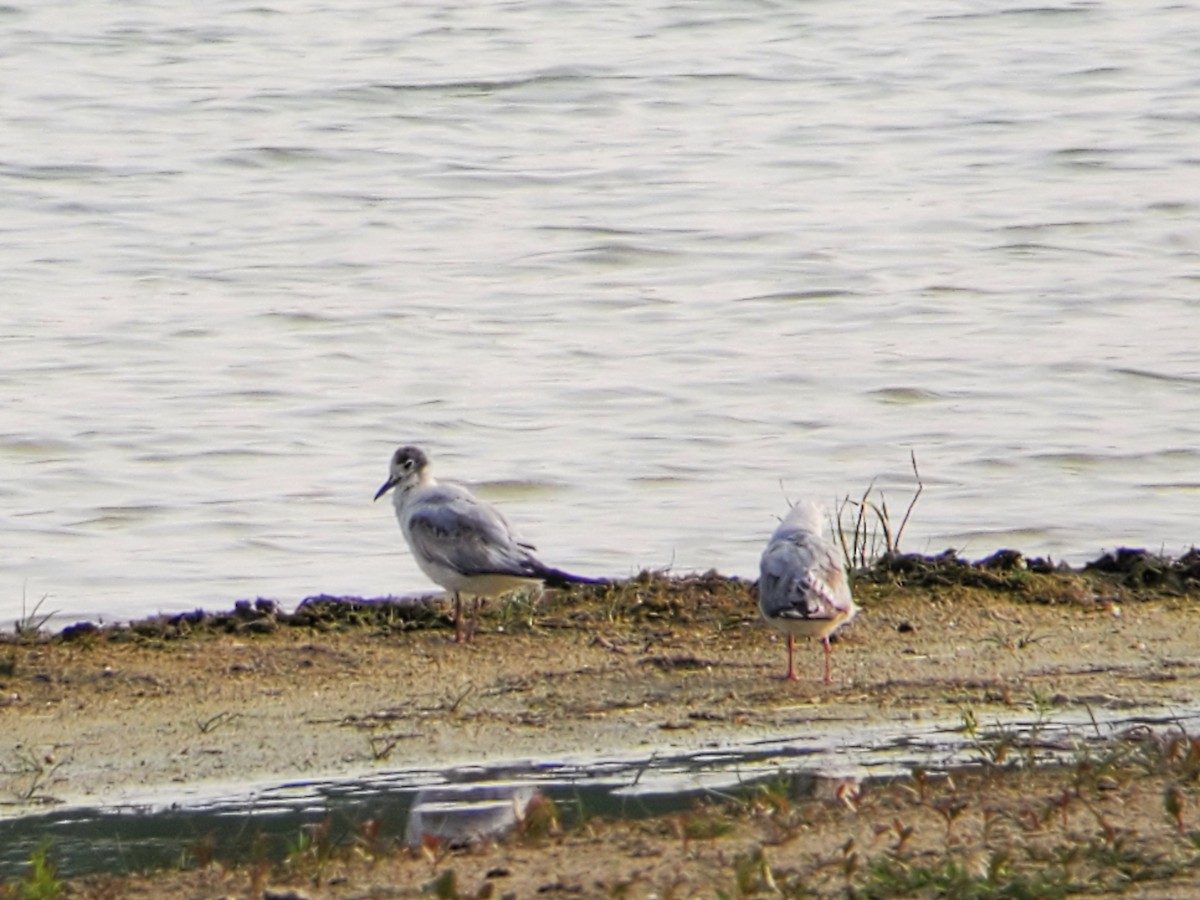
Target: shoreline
<point>343,688</point>
<point>343,664</point>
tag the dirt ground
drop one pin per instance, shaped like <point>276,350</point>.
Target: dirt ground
<point>340,688</point>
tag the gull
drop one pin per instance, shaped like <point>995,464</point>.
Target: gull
<point>459,541</point>
<point>802,588</point>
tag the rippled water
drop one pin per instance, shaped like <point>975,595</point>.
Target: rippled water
<point>622,267</point>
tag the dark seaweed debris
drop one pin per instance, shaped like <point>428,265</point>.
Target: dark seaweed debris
<point>648,597</point>
<point>1009,570</point>
<point>684,599</point>
<point>1004,570</point>
<point>1140,568</point>
<point>693,599</point>
<point>263,616</point>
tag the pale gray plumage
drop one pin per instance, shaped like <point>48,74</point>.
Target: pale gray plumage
<point>459,541</point>
<point>802,587</point>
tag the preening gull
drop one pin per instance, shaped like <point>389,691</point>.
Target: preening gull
<point>802,587</point>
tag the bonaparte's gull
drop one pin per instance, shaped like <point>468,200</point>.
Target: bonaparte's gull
<point>459,541</point>
<point>802,587</point>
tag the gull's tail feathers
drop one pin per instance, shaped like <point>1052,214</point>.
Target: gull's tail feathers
<point>557,578</point>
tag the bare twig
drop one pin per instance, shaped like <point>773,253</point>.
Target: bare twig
<point>872,524</point>
<point>860,524</point>
<point>215,722</point>
<point>913,501</point>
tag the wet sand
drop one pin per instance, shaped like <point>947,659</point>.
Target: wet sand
<point>178,708</point>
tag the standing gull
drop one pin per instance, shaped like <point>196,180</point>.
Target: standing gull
<point>802,588</point>
<point>459,541</point>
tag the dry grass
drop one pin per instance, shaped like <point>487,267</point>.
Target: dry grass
<point>864,527</point>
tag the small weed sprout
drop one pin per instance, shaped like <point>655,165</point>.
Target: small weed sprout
<point>41,883</point>
<point>453,703</point>
<point>29,626</point>
<point>1042,703</point>
<point>992,747</point>
<point>950,808</point>
<point>201,852</point>
<point>752,873</point>
<point>209,725</point>
<point>519,608</point>
<point>539,820</point>
<point>369,840</point>
<point>37,769</point>
<point>382,746</point>
<point>313,850</point>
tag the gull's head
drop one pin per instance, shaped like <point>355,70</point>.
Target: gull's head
<point>406,469</point>
<point>805,514</point>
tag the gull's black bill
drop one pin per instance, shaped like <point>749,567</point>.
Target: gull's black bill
<point>387,486</point>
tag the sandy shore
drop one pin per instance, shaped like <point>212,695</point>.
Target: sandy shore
<point>178,708</point>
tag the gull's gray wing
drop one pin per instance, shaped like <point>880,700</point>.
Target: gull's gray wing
<point>452,528</point>
<point>801,577</point>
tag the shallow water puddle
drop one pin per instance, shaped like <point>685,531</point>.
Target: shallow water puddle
<point>459,804</point>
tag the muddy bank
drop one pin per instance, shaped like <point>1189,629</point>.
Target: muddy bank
<point>181,706</point>
<point>341,685</point>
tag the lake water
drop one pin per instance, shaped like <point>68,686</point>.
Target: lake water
<point>635,271</point>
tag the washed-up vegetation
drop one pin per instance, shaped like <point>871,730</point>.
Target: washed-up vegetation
<point>708,599</point>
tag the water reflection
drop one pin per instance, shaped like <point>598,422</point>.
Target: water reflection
<point>458,815</point>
